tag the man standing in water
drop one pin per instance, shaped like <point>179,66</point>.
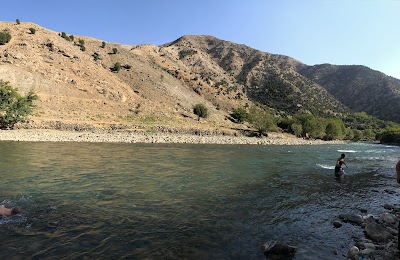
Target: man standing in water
<point>341,159</point>
<point>339,172</point>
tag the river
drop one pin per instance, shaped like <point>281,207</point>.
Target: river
<point>181,201</point>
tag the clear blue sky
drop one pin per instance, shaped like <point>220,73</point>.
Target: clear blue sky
<point>342,32</point>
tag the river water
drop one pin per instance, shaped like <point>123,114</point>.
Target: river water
<point>171,201</point>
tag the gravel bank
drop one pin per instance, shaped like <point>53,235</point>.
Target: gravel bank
<point>45,135</point>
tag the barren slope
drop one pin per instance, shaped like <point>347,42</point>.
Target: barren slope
<point>79,87</point>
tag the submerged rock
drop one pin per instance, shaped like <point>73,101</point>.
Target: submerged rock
<point>278,248</point>
<point>352,218</point>
<point>376,232</point>
<point>353,253</point>
<point>337,223</point>
<point>388,218</point>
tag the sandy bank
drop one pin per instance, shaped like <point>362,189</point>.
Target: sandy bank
<point>44,135</point>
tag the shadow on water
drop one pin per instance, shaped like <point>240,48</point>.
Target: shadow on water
<point>179,201</point>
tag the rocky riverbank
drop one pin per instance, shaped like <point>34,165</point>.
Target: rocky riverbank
<point>381,234</point>
<point>129,136</point>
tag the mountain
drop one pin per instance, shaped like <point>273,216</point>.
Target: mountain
<point>82,82</point>
<point>359,88</point>
<point>262,77</point>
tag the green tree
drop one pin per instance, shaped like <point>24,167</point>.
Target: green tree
<point>200,110</point>
<point>369,134</point>
<point>5,37</point>
<point>262,120</point>
<point>391,135</point>
<point>115,50</point>
<point>358,135</point>
<point>103,45</point>
<point>349,134</point>
<point>13,107</point>
<point>334,130</point>
<point>297,129</point>
<point>32,30</point>
<point>17,21</point>
<point>240,114</point>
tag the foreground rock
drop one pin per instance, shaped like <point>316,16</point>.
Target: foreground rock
<point>278,250</point>
<point>381,235</point>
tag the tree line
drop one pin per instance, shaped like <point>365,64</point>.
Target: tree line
<point>354,126</point>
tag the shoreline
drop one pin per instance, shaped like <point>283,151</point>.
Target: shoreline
<point>124,136</point>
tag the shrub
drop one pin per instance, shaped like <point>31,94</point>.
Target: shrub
<point>72,37</point>
<point>115,50</point>
<point>65,36</point>
<point>13,107</point>
<point>17,21</point>
<point>200,110</point>
<point>82,47</point>
<point>103,45</point>
<point>4,38</point>
<point>81,42</point>
<point>32,30</point>
<point>96,56</point>
<point>240,114</point>
<point>117,67</point>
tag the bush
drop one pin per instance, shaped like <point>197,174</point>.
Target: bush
<point>4,38</point>
<point>32,30</point>
<point>65,36</point>
<point>117,67</point>
<point>96,56</point>
<point>17,21</point>
<point>391,136</point>
<point>81,42</point>
<point>297,129</point>
<point>262,120</point>
<point>72,37</point>
<point>240,114</point>
<point>115,50</point>
<point>83,48</point>
<point>103,45</point>
<point>200,110</point>
<point>13,107</point>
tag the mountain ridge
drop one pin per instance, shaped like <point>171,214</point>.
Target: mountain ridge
<point>157,85</point>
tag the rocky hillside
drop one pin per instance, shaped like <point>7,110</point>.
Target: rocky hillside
<point>359,87</point>
<point>259,76</point>
<point>84,82</point>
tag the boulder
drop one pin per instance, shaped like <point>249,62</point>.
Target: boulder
<point>353,253</point>
<point>352,218</point>
<point>376,232</point>
<point>388,218</point>
<point>278,248</point>
<point>337,224</point>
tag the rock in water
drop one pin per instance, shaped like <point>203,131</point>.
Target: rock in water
<point>278,248</point>
<point>353,252</point>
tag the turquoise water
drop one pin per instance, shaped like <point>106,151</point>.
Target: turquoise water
<point>169,201</point>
